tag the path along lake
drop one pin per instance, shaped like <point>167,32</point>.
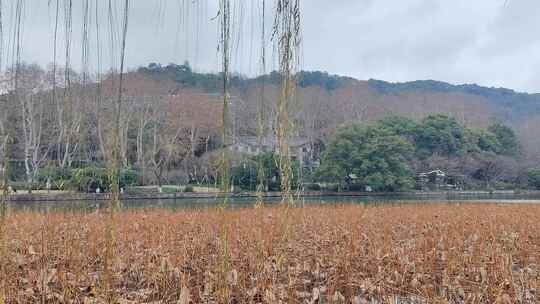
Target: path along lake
<point>243,202</point>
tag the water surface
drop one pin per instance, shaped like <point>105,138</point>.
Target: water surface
<point>201,203</point>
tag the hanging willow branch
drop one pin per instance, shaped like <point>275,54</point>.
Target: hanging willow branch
<point>114,203</point>
<point>261,174</point>
<point>1,34</point>
<point>286,33</point>
<point>3,216</point>
<point>4,168</point>
<point>223,289</point>
<point>6,138</point>
<point>225,48</point>
<point>85,42</point>
<point>55,46</point>
<point>68,23</point>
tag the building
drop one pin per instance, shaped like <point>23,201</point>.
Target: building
<point>439,180</point>
<point>301,149</point>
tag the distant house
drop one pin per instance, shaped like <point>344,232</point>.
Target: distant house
<point>300,147</point>
<point>435,179</point>
<point>438,180</point>
<point>353,183</point>
<point>250,145</point>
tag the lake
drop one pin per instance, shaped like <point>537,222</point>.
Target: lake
<point>201,203</point>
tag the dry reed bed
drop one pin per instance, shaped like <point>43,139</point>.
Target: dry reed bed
<point>342,254</point>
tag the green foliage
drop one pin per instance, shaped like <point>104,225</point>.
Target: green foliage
<point>169,190</point>
<point>189,189</point>
<point>381,154</point>
<point>312,187</point>
<point>440,134</point>
<point>59,178</point>
<point>88,179</point>
<point>399,125</point>
<point>23,186</point>
<point>509,143</point>
<point>321,79</point>
<point>184,76</point>
<point>375,156</point>
<point>488,142</point>
<point>245,174</point>
<point>534,178</point>
<point>443,135</point>
<point>128,177</point>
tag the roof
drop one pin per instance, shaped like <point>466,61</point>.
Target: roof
<point>436,172</point>
<point>269,141</point>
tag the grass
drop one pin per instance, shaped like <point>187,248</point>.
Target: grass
<point>460,253</point>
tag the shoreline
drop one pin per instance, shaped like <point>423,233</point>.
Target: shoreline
<point>74,196</point>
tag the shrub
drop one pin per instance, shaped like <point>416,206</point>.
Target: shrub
<point>23,186</point>
<point>356,187</point>
<point>170,190</point>
<point>244,175</point>
<point>128,177</point>
<point>58,177</point>
<point>313,187</point>
<point>332,187</point>
<point>189,189</point>
<point>89,179</point>
<point>534,178</point>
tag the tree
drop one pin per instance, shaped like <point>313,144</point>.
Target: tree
<point>144,97</point>
<point>439,134</point>
<point>170,144</point>
<point>28,92</point>
<point>377,157</point>
<point>244,175</point>
<point>199,116</point>
<point>399,125</point>
<point>4,141</point>
<point>68,102</point>
<point>534,178</point>
<point>488,142</point>
<point>507,138</point>
<point>245,172</point>
<point>492,169</point>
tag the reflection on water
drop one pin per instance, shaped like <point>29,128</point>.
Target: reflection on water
<point>201,203</point>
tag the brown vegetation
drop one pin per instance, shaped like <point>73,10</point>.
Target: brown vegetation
<point>344,254</point>
<point>167,128</point>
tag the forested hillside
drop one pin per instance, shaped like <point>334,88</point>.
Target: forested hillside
<point>171,120</point>
<point>518,104</point>
<point>326,100</point>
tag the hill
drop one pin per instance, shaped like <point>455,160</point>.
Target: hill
<point>326,101</point>
<point>519,104</point>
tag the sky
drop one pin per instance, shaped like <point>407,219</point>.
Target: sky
<point>488,42</point>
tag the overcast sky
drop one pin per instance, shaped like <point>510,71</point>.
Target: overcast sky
<point>489,42</point>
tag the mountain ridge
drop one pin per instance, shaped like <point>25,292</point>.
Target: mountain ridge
<point>522,103</point>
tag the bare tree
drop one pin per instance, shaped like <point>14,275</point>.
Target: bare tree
<point>144,94</point>
<point>108,121</point>
<point>199,115</point>
<point>32,104</point>
<point>68,102</point>
<point>144,112</point>
<point>169,141</point>
<point>4,138</point>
